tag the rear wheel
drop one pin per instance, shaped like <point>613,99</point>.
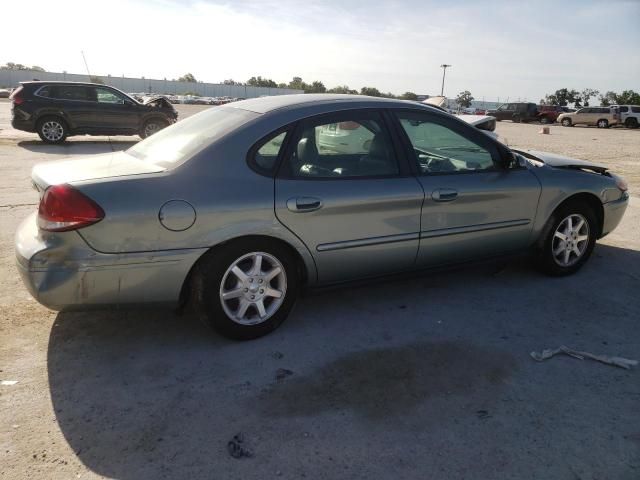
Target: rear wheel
<point>247,288</point>
<point>152,126</point>
<point>602,123</point>
<point>545,120</point>
<point>631,123</point>
<point>570,239</point>
<point>517,118</point>
<point>52,130</point>
<point>566,122</point>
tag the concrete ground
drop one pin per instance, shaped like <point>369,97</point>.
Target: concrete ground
<point>428,377</point>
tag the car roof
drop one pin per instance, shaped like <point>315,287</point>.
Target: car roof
<point>278,102</point>
<point>61,82</point>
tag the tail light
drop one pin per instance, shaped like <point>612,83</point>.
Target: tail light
<point>16,96</point>
<point>63,208</point>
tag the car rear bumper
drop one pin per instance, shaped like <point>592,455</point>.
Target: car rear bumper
<point>62,272</point>
<point>613,212</point>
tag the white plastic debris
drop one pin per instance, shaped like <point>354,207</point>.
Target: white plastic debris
<point>8,382</point>
<point>615,361</point>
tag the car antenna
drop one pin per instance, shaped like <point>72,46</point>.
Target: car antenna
<point>85,64</point>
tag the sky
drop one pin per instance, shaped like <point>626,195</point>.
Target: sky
<point>498,49</point>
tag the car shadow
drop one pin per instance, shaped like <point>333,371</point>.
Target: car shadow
<point>150,394</point>
<point>77,147</point>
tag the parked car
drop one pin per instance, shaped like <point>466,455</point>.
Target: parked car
<point>4,93</point>
<point>236,209</point>
<point>602,117</point>
<point>57,110</point>
<point>516,112</point>
<point>629,115</point>
<point>549,113</point>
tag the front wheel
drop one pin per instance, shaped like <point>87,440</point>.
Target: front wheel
<point>566,122</point>
<point>631,123</point>
<point>246,289</point>
<point>602,123</point>
<point>569,241</point>
<point>545,120</point>
<point>152,126</point>
<point>517,119</point>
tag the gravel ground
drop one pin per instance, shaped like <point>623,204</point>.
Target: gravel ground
<point>427,377</point>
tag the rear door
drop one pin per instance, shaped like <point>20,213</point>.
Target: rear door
<point>345,190</point>
<point>75,102</point>
<point>473,206</point>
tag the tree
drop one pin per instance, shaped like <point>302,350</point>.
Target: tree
<point>315,87</point>
<point>586,94</point>
<point>261,82</point>
<point>14,66</point>
<point>231,81</point>
<point>464,99</point>
<point>37,68</point>
<point>409,96</point>
<point>628,97</point>
<point>608,98</point>
<point>342,89</point>
<point>94,79</point>
<point>297,84</point>
<point>563,97</point>
<point>370,91</point>
<point>187,78</point>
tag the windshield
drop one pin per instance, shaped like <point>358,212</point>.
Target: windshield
<point>173,145</point>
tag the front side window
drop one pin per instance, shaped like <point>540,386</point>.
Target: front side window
<point>351,146</point>
<point>105,95</point>
<point>624,109</point>
<point>439,149</point>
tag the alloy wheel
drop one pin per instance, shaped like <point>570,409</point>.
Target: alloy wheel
<point>253,288</point>
<point>570,240</point>
<point>52,130</point>
<point>151,128</point>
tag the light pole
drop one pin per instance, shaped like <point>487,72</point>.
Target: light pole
<point>444,67</point>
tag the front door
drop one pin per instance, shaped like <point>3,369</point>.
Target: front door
<point>347,194</point>
<point>113,113</point>
<point>474,207</point>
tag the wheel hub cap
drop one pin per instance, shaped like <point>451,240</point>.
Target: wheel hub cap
<point>253,288</point>
<point>570,240</point>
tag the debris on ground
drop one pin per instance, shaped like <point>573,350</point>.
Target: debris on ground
<point>283,373</point>
<point>482,414</point>
<point>8,382</point>
<point>237,448</point>
<point>615,361</point>
<point>277,355</point>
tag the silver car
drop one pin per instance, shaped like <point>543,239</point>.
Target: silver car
<point>237,208</point>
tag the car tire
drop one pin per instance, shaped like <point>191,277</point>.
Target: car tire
<point>517,119</point>
<point>566,122</point>
<point>545,120</point>
<point>231,271</point>
<point>631,123</point>
<point>52,130</point>
<point>602,123</point>
<point>152,126</point>
<point>559,256</point>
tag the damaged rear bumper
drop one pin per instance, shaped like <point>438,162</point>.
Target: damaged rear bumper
<point>62,272</point>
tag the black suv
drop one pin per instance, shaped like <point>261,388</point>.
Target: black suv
<point>516,112</point>
<point>56,110</point>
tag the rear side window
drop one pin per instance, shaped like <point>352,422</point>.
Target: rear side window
<point>71,92</point>
<point>624,109</point>
<point>44,91</point>
<point>635,109</point>
<point>266,154</point>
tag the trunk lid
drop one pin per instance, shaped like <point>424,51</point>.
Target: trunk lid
<point>95,167</point>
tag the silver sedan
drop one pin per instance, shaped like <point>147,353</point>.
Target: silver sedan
<point>239,207</point>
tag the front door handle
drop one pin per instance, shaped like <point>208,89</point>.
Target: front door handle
<point>304,204</point>
<point>444,195</point>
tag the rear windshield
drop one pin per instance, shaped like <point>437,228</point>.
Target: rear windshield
<point>174,145</point>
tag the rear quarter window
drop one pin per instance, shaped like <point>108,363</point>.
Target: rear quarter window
<point>635,109</point>
<point>44,91</point>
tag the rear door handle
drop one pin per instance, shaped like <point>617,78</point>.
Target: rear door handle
<point>444,195</point>
<point>304,204</point>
